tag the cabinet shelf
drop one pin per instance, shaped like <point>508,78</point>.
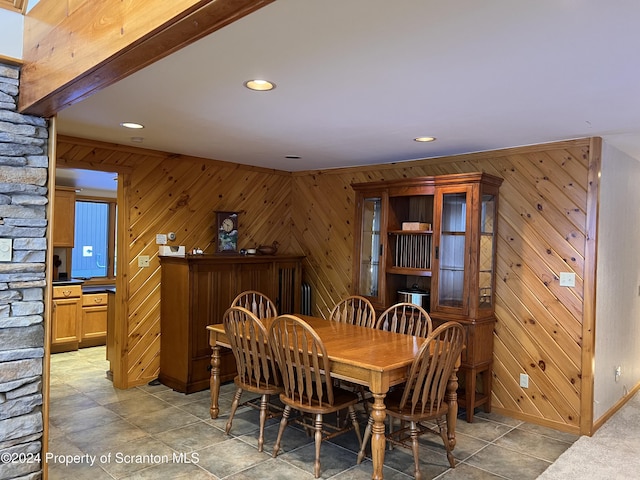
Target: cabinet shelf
<point>452,268</point>
<point>418,272</point>
<point>410,232</point>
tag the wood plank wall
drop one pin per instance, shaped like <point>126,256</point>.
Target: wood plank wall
<point>542,217</point>
<point>171,193</point>
<point>542,222</point>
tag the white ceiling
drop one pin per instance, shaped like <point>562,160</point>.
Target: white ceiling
<point>357,80</point>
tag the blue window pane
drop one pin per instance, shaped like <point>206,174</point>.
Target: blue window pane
<point>90,256</point>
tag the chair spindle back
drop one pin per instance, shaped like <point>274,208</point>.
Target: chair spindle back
<point>355,310</point>
<point>248,339</point>
<point>431,369</point>
<point>302,361</point>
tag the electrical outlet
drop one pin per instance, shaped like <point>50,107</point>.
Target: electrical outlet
<point>143,261</point>
<point>524,380</point>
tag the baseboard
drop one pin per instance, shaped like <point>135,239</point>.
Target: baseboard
<point>616,406</point>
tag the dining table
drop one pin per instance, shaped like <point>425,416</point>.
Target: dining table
<point>376,359</point>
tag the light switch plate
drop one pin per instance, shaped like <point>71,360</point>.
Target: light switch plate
<point>567,279</point>
<point>143,261</point>
<point>6,247</point>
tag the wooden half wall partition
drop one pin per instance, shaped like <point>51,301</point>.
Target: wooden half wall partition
<point>546,226</point>
<point>74,48</point>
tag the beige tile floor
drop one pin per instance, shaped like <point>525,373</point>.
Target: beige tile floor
<point>155,432</point>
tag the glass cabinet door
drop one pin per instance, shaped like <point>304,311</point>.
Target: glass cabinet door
<point>487,249</point>
<point>370,253</point>
<point>452,251</point>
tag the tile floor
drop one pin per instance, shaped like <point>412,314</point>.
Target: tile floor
<point>155,432</point>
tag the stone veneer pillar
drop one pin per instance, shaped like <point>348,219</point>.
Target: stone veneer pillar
<point>23,199</point>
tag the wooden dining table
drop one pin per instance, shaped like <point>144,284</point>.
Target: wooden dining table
<point>374,358</point>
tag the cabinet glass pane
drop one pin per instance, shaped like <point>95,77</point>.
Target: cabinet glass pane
<point>452,250</point>
<point>370,247</point>
<point>487,239</point>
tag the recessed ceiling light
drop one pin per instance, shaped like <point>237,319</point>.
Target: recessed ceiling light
<point>424,139</point>
<point>131,125</point>
<point>259,85</point>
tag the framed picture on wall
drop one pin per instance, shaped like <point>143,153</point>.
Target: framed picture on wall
<point>227,228</point>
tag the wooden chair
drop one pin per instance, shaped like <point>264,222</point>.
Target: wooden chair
<point>423,396</point>
<point>257,303</point>
<point>355,310</point>
<point>405,318</point>
<point>306,376</point>
<point>248,339</point>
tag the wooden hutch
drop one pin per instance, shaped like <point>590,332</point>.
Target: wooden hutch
<point>195,292</point>
<point>436,234</point>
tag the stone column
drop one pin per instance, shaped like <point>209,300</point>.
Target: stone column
<point>23,222</point>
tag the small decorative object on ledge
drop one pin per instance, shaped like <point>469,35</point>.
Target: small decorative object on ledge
<point>227,231</point>
<point>268,249</point>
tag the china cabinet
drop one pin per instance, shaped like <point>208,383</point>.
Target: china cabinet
<point>435,235</point>
<point>195,292</point>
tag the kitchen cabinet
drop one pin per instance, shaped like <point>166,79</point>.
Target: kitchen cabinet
<point>195,292</point>
<point>93,329</point>
<point>66,318</point>
<point>438,235</point>
<point>64,217</point>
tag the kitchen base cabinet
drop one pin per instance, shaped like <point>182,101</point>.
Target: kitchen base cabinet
<point>195,292</point>
<point>94,320</point>
<point>66,317</point>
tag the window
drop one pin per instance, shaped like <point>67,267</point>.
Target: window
<point>93,255</point>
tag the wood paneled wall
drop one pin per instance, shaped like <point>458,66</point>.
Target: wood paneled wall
<point>542,231</point>
<point>171,193</point>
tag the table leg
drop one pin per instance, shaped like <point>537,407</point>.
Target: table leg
<point>215,381</point>
<point>378,443</point>
<point>452,414</point>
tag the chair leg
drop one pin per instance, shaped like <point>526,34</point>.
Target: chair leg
<point>263,418</point>
<point>445,440</point>
<point>317,424</point>
<point>354,421</point>
<point>365,439</point>
<point>283,424</point>
<point>363,399</point>
<point>416,452</point>
<point>234,407</point>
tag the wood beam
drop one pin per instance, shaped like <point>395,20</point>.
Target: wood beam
<point>18,6</point>
<point>75,48</point>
